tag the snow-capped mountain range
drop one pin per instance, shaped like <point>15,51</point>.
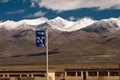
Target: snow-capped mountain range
<point>61,24</point>
<point>81,38</point>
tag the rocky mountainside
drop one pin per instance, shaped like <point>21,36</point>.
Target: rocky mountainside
<point>85,40</point>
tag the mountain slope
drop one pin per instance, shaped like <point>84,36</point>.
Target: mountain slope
<point>112,24</point>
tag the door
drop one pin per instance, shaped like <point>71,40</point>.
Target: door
<point>84,75</point>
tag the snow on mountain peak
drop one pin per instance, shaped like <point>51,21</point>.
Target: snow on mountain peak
<point>61,24</point>
<point>111,24</point>
<point>81,24</point>
<point>10,25</point>
<point>34,22</point>
<point>58,18</point>
<point>113,20</point>
<point>58,23</point>
<point>86,22</point>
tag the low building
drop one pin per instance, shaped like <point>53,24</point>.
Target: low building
<point>62,72</point>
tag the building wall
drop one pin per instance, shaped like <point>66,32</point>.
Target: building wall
<point>51,75</point>
<point>91,77</point>
<point>72,74</point>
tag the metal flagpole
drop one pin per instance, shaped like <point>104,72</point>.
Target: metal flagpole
<point>47,77</point>
<point>41,41</point>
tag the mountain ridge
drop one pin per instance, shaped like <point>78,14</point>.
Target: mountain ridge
<point>59,23</point>
<point>97,42</point>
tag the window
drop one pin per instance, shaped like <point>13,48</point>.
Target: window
<point>14,75</point>
<point>71,73</point>
<point>30,75</point>
<point>38,75</point>
<point>5,75</point>
<point>1,75</point>
<point>78,73</point>
<point>103,73</point>
<point>24,75</point>
<point>58,74</point>
<point>115,73</point>
<point>92,73</point>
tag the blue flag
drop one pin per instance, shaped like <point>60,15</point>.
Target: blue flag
<point>40,38</point>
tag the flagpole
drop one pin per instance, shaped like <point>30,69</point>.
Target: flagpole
<point>47,76</point>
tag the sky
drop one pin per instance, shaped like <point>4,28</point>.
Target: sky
<point>68,9</point>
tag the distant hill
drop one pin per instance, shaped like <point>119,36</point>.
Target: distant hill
<point>83,41</point>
